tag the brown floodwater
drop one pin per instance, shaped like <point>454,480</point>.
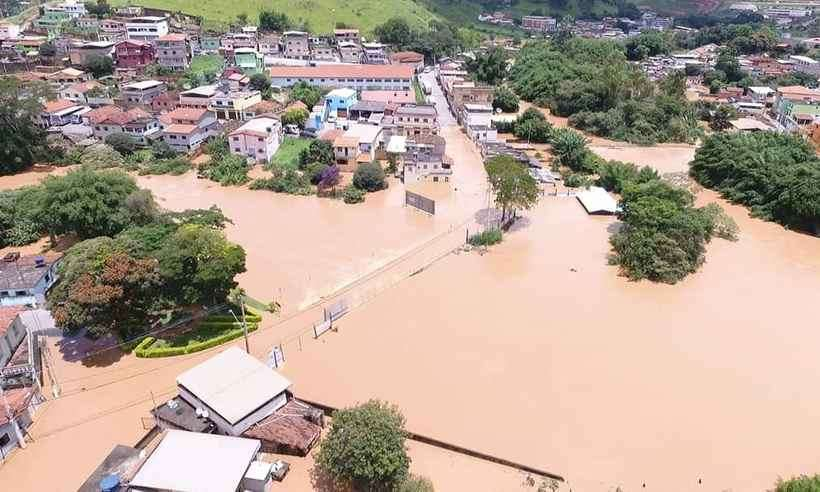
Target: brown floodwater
<point>536,351</point>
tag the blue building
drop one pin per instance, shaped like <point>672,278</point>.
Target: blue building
<point>339,101</point>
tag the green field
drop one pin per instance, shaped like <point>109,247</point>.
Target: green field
<point>207,64</point>
<point>320,16</point>
<point>288,153</point>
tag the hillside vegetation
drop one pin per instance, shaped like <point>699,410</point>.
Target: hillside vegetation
<point>319,16</point>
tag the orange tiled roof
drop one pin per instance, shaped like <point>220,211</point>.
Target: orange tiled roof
<point>58,105</point>
<point>345,71</point>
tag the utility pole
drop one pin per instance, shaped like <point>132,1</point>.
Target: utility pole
<point>244,324</point>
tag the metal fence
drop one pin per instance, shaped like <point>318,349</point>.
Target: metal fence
<point>420,202</point>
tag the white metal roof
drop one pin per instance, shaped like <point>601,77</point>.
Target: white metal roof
<point>233,384</point>
<point>343,93</point>
<point>596,201</point>
<point>365,133</point>
<point>202,90</point>
<point>761,89</point>
<point>259,470</point>
<point>195,462</point>
<point>397,144</point>
<point>145,84</point>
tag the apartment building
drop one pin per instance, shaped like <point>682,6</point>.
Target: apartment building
<point>134,54</point>
<point>148,28</point>
<point>375,54</point>
<point>198,97</point>
<point>269,44</point>
<point>346,35</point>
<point>173,51</point>
<point>357,77</point>
<point>296,45</point>
<point>81,53</point>
<point>142,92</point>
<point>112,30</point>
<point>136,123</point>
<point>231,104</point>
<point>257,139</point>
<point>425,160</point>
<point>538,23</point>
<point>416,119</point>
<point>188,128</point>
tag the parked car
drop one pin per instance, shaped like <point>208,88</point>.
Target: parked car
<point>292,129</point>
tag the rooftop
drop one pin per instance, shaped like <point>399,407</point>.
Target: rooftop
<point>343,93</point>
<point>344,71</point>
<point>401,97</point>
<point>194,462</point>
<point>364,133</point>
<point>233,383</point>
<point>121,461</point>
<point>289,428</point>
<point>145,84</point>
<point>7,316</point>
<point>182,415</point>
<point>201,91</point>
<point>25,273</point>
<point>346,141</point>
<point>173,37</point>
<point>17,399</point>
<point>407,57</point>
<point>178,129</point>
<point>260,125</point>
<point>417,109</point>
<point>190,114</point>
<point>58,105</point>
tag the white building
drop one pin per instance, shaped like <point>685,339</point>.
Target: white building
<point>358,77</point>
<point>257,139</point>
<point>235,389</point>
<point>195,462</point>
<point>142,92</point>
<point>805,64</point>
<point>198,97</point>
<point>188,128</point>
<point>477,120</point>
<point>9,30</point>
<point>27,279</point>
<point>147,28</point>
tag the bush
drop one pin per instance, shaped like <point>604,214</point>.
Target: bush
<point>369,177</point>
<point>505,100</point>
<point>724,226</point>
<point>317,151</point>
<point>614,175</point>
<point>351,194</point>
<point>803,483</point>
<point>284,180</point>
<point>416,483</point>
<point>174,167</point>
<point>141,347</point>
<point>164,351</point>
<point>486,238</point>
<point>101,156</point>
<point>229,170</point>
<point>577,180</point>
<point>121,142</point>
<point>314,170</point>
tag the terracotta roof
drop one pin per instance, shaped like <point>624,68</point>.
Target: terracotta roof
<point>58,105</point>
<point>181,129</point>
<point>165,119</point>
<point>344,71</point>
<point>18,399</point>
<point>7,316</point>
<point>389,96</point>
<point>330,135</point>
<point>289,430</point>
<point>798,90</point>
<point>265,107</point>
<point>407,57</point>
<point>83,87</point>
<point>102,113</point>
<point>173,37</point>
<point>134,42</point>
<point>363,158</point>
<point>343,141</point>
<point>190,114</point>
<point>125,117</point>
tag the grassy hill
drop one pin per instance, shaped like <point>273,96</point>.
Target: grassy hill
<point>320,15</point>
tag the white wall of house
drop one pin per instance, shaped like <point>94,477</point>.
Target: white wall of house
<point>255,147</point>
<point>225,427</point>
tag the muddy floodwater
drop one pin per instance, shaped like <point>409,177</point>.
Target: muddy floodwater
<point>537,351</point>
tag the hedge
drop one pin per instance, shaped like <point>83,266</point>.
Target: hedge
<point>227,317</point>
<point>144,350</point>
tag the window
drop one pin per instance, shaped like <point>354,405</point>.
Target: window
<point>4,440</point>
<point>261,139</point>
<point>20,292</point>
<point>261,151</point>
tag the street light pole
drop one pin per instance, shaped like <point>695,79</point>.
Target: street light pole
<point>244,325</point>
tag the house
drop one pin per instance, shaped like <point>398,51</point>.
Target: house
<point>148,28</point>
<point>209,43</point>
<point>122,462</point>
<point>136,123</point>
<point>369,140</point>
<point>358,77</point>
<point>389,97</point>
<point>539,23</point>
<point>112,31</point>
<point>477,120</point>
<point>411,58</point>
<point>805,64</point>
<point>20,405</point>
<point>339,101</point>
<point>142,92</point>
<point>80,54</point>
<point>424,159</point>
<point>416,119</point>
<point>173,51</point>
<point>68,76</point>
<point>12,332</point>
<point>231,104</point>
<point>350,52</point>
<point>233,40</point>
<point>268,44</point>
<point>296,45</point>
<point>134,54</point>
<point>167,101</point>
<point>264,108</point>
<point>459,93</point>
<point>236,389</point>
<point>346,152</point>
<point>198,97</point>
<point>91,93</point>
<point>374,54</point>
<point>235,78</point>
<point>195,462</point>
<point>749,125</point>
<point>27,279</point>
<point>796,106</point>
<point>9,30</point>
<point>346,36</point>
<point>188,128</point>
<point>62,112</point>
<point>323,51</point>
<point>87,26</point>
<point>363,110</point>
<point>761,94</point>
<point>257,139</point>
<point>248,59</point>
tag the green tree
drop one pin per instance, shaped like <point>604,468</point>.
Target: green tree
<point>308,94</point>
<point>22,142</point>
<point>122,143</point>
<point>199,265</point>
<point>20,216</point>
<point>395,31</point>
<point>260,82</point>
<point>512,185</point>
<point>99,66</point>
<point>365,448</point>
<point>722,117</point>
<point>87,203</point>
<point>646,44</point>
<point>295,116</point>
<point>271,21</point>
<point>490,67</point>
<point>317,151</point>
<point>228,170</point>
<point>570,149</point>
<point>505,100</point>
<point>114,294</point>
<point>369,176</point>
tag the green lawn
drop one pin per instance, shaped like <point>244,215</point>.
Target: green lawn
<point>288,153</point>
<point>207,64</point>
<point>320,16</point>
<point>420,97</point>
<point>200,334</point>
